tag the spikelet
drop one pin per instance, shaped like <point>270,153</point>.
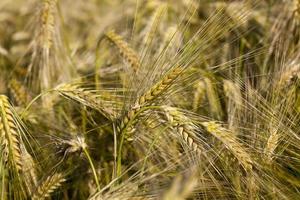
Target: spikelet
<point>160,87</point>
<point>199,95</point>
<point>39,70</point>
<point>129,55</point>
<point>232,92</point>
<point>271,144</point>
<point>213,99</point>
<point>46,40</point>
<point>287,76</point>
<point>229,140</point>
<point>76,144</point>
<point>296,8</point>
<point>20,71</point>
<point>49,63</point>
<point>252,187</point>
<point>29,170</point>
<point>125,126</point>
<point>184,126</point>
<point>18,92</point>
<point>48,186</point>
<point>85,97</point>
<point>150,95</point>
<point>2,85</point>
<point>47,22</point>
<point>10,136</point>
<point>182,186</point>
<point>231,143</point>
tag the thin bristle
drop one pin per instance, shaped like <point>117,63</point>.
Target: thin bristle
<point>85,97</point>
<point>153,23</point>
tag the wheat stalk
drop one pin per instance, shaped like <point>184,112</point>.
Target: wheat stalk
<point>125,50</point>
<point>9,128</point>
<point>48,186</point>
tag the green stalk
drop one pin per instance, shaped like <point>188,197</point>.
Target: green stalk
<point>123,132</point>
<point>149,150</point>
<point>33,100</point>
<point>93,168</point>
<point>3,183</point>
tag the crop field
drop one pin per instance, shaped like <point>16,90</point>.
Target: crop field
<point>149,99</point>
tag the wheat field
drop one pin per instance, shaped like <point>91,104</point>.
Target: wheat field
<point>149,99</point>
